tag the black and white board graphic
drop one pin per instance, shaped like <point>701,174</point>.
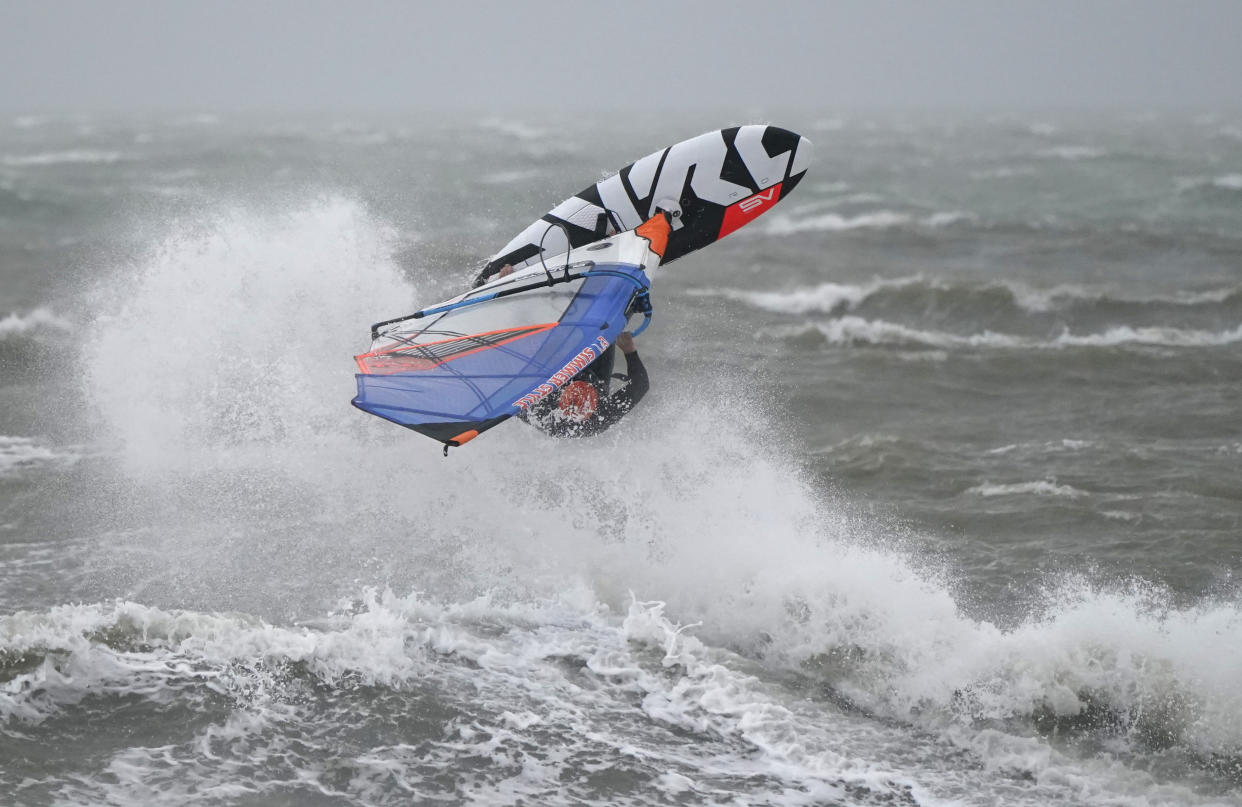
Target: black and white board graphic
<point>713,184</point>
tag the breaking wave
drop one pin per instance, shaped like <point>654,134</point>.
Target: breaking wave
<point>1231,182</point>
<point>824,298</point>
<point>519,680</point>
<point>918,293</point>
<point>27,337</point>
<point>38,319</point>
<point>852,330</point>
<point>20,453</point>
<point>1224,182</point>
<point>1041,488</point>
<point>782,224</point>
<point>1153,336</point>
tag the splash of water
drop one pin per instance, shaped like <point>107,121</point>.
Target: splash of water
<point>223,373</point>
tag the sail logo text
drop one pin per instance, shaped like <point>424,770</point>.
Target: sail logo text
<point>758,199</point>
<point>589,354</point>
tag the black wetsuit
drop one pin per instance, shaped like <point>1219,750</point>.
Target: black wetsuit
<point>612,407</point>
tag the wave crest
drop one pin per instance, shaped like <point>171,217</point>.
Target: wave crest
<point>41,318</point>
<point>71,157</point>
<point>1042,487</point>
<point>852,330</point>
<point>783,224</point>
<point>20,453</point>
<point>919,293</point>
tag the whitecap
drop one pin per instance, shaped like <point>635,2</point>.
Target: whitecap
<point>1071,153</point>
<point>71,157</point>
<point>823,298</point>
<point>19,453</point>
<point>1153,336</point>
<point>851,330</point>
<point>1232,182</point>
<point>1042,300</point>
<point>828,297</point>
<point>39,318</point>
<point>805,209</point>
<point>947,218</point>
<point>1227,182</point>
<point>1003,172</point>
<point>783,224</point>
<point>1042,487</point>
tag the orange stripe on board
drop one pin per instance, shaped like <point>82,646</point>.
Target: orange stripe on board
<point>749,209</point>
<point>656,230</point>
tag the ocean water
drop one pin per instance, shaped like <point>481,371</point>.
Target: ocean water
<point>936,499</point>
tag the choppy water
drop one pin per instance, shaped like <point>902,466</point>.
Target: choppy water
<point>937,498</point>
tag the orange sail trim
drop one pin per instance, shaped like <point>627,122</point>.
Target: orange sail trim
<point>393,360</point>
<point>463,438</point>
<point>656,230</point>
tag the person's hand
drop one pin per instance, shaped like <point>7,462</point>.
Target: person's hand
<point>626,342</point>
<point>505,270</point>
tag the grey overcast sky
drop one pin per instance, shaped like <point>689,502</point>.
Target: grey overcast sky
<point>370,55</point>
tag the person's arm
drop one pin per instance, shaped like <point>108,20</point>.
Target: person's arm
<point>639,382</point>
<point>489,271</point>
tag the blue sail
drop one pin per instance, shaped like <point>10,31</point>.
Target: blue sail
<point>464,366</point>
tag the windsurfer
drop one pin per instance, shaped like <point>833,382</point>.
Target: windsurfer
<point>584,406</point>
